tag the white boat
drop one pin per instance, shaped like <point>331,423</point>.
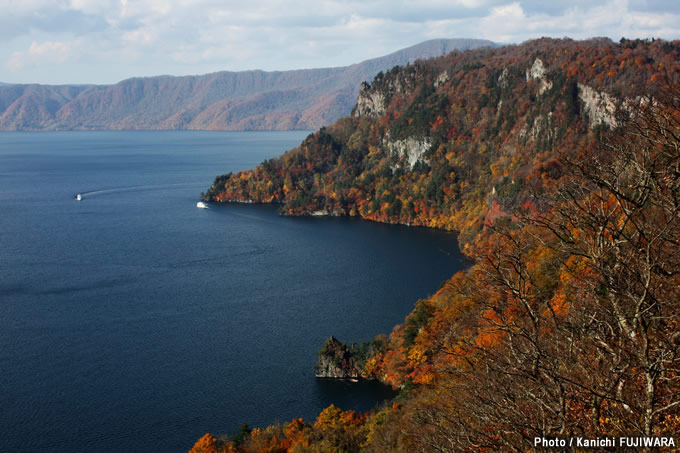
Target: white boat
<point>79,197</point>
<point>201,205</point>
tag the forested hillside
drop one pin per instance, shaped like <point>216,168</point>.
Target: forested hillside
<point>451,143</point>
<point>302,99</point>
<point>559,164</point>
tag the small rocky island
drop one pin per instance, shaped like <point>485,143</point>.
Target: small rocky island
<point>336,361</point>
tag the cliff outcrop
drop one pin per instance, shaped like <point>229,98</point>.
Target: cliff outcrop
<point>440,143</point>
<point>336,361</point>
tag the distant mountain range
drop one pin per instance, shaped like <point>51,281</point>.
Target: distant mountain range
<point>248,100</point>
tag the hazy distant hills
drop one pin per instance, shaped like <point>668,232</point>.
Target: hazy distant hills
<point>247,100</point>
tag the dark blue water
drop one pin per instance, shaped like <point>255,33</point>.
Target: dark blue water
<point>133,321</point>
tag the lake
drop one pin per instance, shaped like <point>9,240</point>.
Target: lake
<point>133,321</point>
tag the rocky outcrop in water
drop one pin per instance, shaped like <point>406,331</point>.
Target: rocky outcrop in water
<point>336,361</point>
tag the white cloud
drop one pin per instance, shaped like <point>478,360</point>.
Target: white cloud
<point>512,11</point>
<point>117,38</point>
<point>138,37</point>
<point>97,7</point>
<point>512,23</point>
<point>40,53</point>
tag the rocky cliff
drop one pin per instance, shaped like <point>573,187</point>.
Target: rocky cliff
<point>458,141</point>
<point>336,361</point>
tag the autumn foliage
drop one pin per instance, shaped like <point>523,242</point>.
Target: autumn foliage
<point>480,128</point>
<point>568,321</point>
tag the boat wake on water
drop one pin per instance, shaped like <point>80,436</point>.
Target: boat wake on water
<point>114,190</point>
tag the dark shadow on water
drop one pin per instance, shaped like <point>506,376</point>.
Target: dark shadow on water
<point>362,396</point>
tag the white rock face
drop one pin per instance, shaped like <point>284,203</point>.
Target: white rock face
<point>600,107</point>
<point>503,78</point>
<point>541,123</point>
<point>369,104</point>
<point>442,78</point>
<point>537,71</point>
<point>412,148</point>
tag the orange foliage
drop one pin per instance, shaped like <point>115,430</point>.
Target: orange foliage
<point>525,341</point>
<point>206,444</point>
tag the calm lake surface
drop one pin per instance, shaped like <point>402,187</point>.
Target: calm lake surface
<point>133,321</point>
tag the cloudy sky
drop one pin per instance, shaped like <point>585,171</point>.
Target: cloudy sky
<point>104,41</point>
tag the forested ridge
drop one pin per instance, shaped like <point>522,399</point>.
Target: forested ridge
<point>559,164</point>
<point>302,99</point>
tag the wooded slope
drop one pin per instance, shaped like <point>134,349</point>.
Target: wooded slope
<point>567,323</point>
<point>248,100</point>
